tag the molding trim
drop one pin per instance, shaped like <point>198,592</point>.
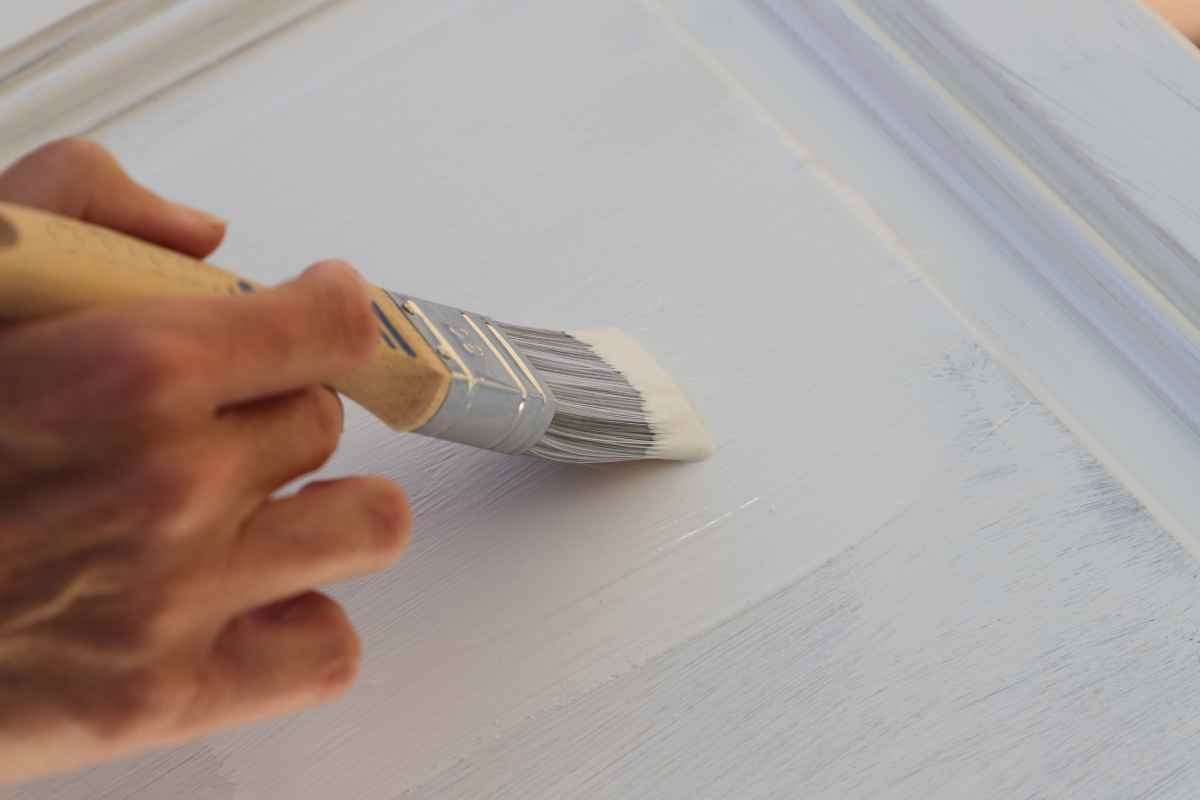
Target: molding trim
<point>1097,308</point>
<point>114,55</point>
<point>1001,151</point>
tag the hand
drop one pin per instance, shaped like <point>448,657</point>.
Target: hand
<point>1183,14</point>
<point>151,586</point>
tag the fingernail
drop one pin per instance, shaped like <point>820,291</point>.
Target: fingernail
<point>198,216</point>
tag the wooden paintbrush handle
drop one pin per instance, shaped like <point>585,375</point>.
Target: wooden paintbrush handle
<point>52,265</point>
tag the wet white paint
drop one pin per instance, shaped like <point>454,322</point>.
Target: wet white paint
<point>679,430</point>
<point>898,575</point>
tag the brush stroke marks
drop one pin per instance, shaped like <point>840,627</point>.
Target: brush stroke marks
<point>898,575</point>
<point>1045,649</point>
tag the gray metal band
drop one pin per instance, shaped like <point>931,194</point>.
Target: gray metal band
<point>496,400</point>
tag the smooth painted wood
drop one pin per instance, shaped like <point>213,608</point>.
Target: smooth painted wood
<point>1079,311</point>
<point>113,55</point>
<point>1025,652</point>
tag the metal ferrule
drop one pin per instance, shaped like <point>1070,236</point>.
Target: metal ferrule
<point>495,400</point>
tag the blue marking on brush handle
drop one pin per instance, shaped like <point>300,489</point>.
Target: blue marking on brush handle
<point>388,328</point>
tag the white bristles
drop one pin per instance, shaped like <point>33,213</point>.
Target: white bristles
<point>615,403</point>
<point>679,432</point>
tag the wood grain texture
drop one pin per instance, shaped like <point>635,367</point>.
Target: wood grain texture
<point>1028,652</point>
<point>898,577</point>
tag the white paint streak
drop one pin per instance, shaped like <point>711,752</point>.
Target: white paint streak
<point>721,520</point>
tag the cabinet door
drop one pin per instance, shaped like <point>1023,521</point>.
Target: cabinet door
<point>900,575</point>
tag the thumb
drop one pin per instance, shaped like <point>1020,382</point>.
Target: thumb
<point>81,179</point>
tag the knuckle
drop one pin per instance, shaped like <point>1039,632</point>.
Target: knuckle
<point>145,625</point>
<point>73,154</point>
<point>324,418</point>
<point>142,370</point>
<point>144,702</point>
<point>162,695</point>
<point>347,308</point>
<point>273,333</point>
<point>164,617</point>
<point>168,487</point>
<point>316,422</point>
<point>167,478</point>
<point>388,518</point>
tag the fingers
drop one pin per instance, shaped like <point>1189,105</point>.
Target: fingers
<point>1183,14</point>
<point>313,330</point>
<point>328,532</point>
<point>278,659</point>
<point>281,438</point>
<point>81,179</point>
<point>180,360</point>
<point>85,379</point>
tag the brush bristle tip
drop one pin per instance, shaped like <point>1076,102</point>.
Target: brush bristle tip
<point>612,401</point>
<point>679,430</point>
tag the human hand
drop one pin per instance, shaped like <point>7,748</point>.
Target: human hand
<point>1183,14</point>
<point>152,588</point>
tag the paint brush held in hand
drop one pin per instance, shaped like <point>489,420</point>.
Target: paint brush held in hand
<point>581,397</point>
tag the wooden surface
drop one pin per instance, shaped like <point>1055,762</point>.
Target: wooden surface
<point>898,577</point>
<point>1091,293</point>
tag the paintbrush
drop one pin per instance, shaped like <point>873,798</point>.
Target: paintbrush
<point>581,397</point>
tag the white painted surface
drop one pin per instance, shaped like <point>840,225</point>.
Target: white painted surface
<point>24,19</point>
<point>113,55</point>
<point>898,576</point>
<point>1073,311</point>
